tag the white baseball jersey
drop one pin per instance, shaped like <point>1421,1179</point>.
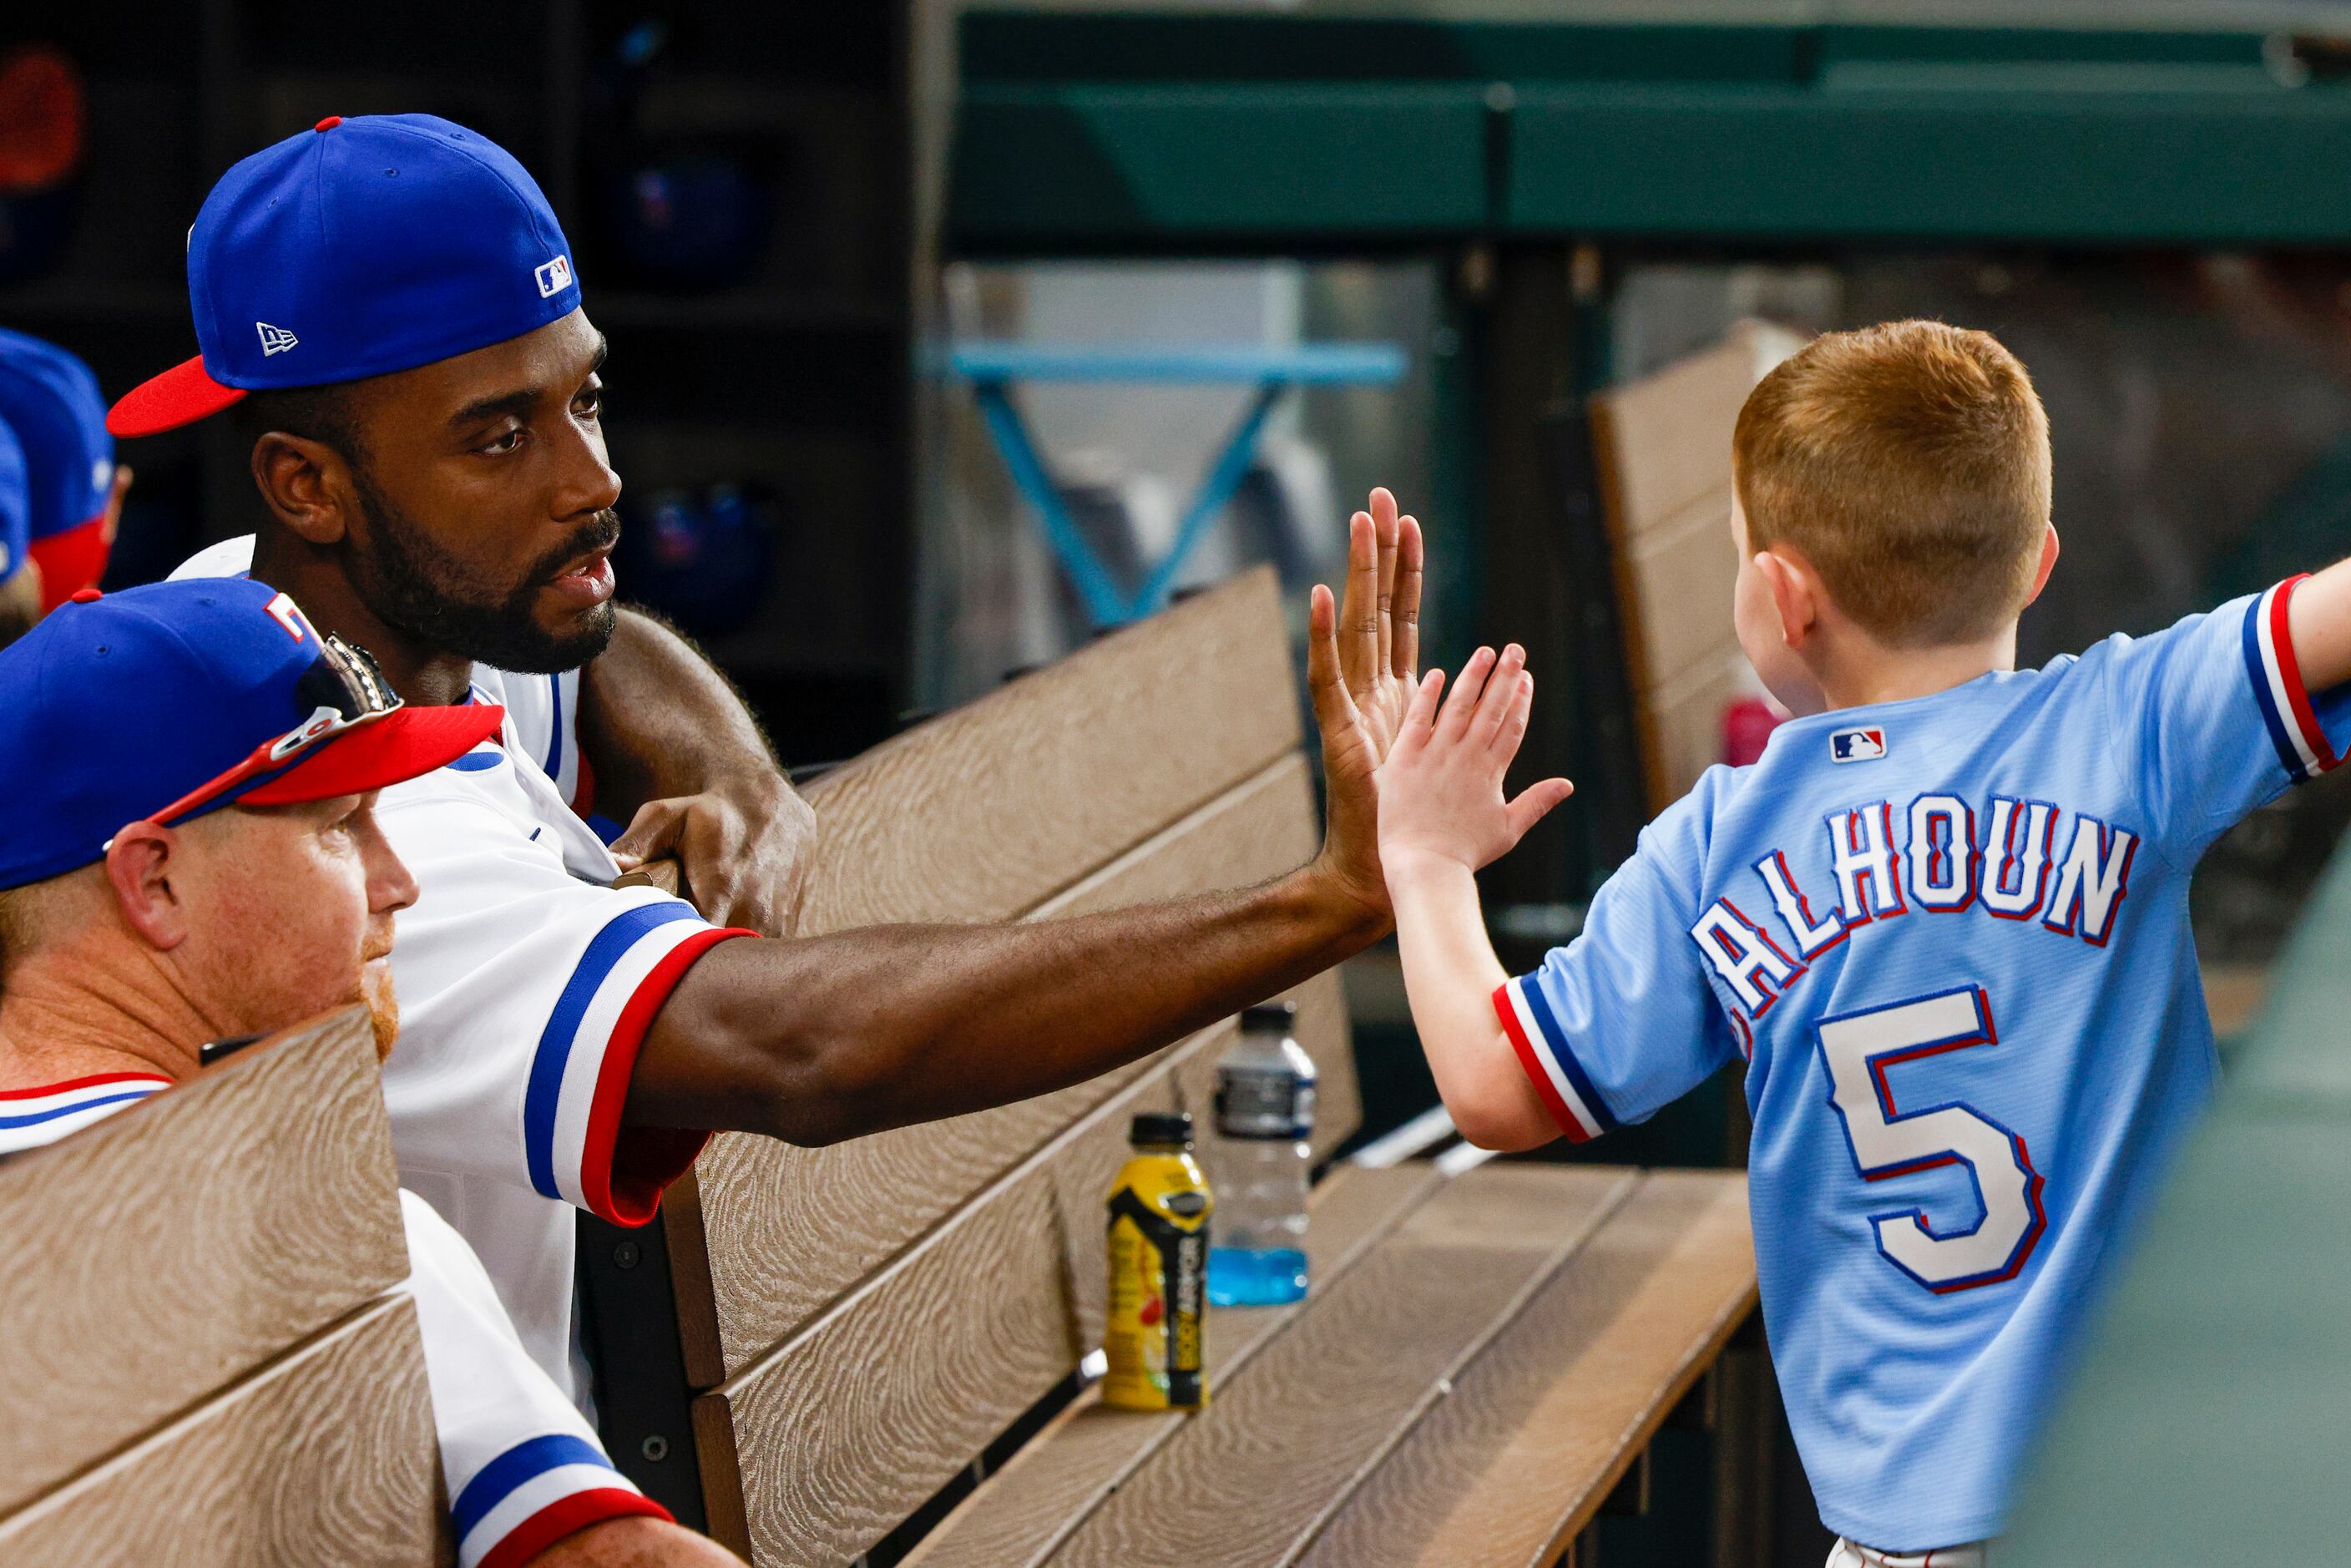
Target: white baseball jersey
<point>523,1468</point>
<point>526,984</point>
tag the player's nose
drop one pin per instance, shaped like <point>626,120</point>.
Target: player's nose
<point>588,482</point>
<point>390,886</point>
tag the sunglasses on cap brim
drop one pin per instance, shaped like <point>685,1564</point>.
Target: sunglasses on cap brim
<point>346,689</point>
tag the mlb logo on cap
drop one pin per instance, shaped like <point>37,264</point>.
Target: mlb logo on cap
<point>1856,745</point>
<point>357,248</point>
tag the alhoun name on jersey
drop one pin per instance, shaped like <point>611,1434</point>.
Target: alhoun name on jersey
<point>1887,862</point>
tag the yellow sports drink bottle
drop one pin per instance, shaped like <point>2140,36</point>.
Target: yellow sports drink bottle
<point>1158,1270</point>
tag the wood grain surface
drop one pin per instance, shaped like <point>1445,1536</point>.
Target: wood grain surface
<point>1668,435</point>
<point>988,811</point>
<point>163,1252</point>
<point>788,1229</point>
<point>1687,569</point>
<point>841,1432</point>
<point>1685,719</point>
<point>1540,1426</point>
<point>1249,1478</point>
<point>325,1456</point>
<point>1066,1470</point>
<point>662,875</point>
<point>1662,444</point>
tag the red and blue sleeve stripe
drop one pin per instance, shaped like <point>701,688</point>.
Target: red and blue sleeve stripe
<point>536,1493</point>
<point>586,1052</point>
<point>2278,690</point>
<point>1560,1080</point>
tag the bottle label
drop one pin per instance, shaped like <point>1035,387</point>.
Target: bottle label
<point>1264,1103</point>
<point>1158,1279</point>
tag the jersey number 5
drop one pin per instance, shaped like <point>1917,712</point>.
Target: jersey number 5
<point>1860,1048</point>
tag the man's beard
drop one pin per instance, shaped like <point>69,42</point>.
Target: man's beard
<point>417,588</point>
<point>382,1004</point>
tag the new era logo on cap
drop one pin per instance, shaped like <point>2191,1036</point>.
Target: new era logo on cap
<point>396,240</point>
<point>1856,745</point>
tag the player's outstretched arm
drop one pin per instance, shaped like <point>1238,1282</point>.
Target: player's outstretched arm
<point>671,742</point>
<point>843,1035</point>
<point>1442,816</point>
<point>635,1542</point>
<point>2319,616</point>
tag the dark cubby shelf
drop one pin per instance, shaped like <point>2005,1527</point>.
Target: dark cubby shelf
<point>27,305</point>
<point>744,310</point>
<point>795,377</point>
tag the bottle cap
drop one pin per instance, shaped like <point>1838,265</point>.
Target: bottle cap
<point>1162,1127</point>
<point>1270,1018</point>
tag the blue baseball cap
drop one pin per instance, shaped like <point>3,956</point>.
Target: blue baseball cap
<point>357,248</point>
<point>51,401</point>
<point>16,510</point>
<point>163,703</point>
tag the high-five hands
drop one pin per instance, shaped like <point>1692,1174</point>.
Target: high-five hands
<point>1442,816</point>
<point>1362,662</point>
<point>1440,788</point>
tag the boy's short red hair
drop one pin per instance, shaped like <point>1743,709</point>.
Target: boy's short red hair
<point>1909,463</point>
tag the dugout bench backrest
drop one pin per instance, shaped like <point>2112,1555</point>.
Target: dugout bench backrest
<point>856,1324</point>
<point>205,1365</point>
<point>1662,448</point>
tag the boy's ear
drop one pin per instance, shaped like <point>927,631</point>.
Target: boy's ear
<point>2048,562</point>
<point>1795,593</point>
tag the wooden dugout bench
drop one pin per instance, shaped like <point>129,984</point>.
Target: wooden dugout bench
<point>205,1361</point>
<point>820,1346</point>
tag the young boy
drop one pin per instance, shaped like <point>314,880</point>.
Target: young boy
<point>1943,920</point>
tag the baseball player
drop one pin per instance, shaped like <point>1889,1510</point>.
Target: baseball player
<point>1942,923</point>
<point>74,488</point>
<point>389,309</point>
<point>191,854</point>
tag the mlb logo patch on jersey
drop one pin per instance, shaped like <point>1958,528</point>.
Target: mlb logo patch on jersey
<point>1856,745</point>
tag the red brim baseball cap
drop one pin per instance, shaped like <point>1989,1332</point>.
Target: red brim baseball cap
<point>403,745</point>
<point>180,395</point>
<point>165,702</point>
<point>358,248</point>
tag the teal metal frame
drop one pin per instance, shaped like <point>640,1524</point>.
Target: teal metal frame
<point>995,369</point>
<point>1348,127</point>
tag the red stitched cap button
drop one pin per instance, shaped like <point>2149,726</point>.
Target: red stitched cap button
<point>84,596</point>
<point>328,123</point>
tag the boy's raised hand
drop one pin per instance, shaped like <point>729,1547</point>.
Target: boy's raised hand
<point>1440,789</point>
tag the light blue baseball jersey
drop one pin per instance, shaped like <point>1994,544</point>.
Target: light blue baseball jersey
<point>1949,937</point>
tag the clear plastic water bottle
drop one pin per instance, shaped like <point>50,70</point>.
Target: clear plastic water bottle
<point>1265,1112</point>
